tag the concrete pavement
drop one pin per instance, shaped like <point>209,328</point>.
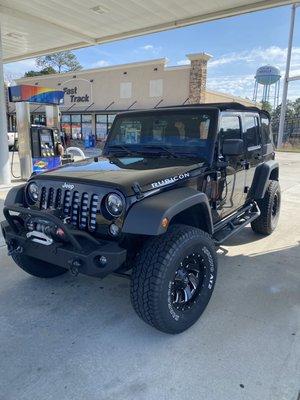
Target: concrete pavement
<point>78,338</point>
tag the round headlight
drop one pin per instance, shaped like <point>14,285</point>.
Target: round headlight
<point>114,204</point>
<point>33,192</point>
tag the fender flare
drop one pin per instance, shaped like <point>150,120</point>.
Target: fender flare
<point>145,216</point>
<point>15,195</point>
<point>261,178</point>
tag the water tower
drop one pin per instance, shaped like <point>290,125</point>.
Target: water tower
<point>267,76</point>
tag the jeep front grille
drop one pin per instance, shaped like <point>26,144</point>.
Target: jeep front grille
<point>80,208</point>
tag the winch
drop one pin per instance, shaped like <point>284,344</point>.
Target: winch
<point>43,231</point>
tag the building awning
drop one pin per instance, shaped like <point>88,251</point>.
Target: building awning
<point>33,28</point>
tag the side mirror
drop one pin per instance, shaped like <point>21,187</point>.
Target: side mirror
<point>233,147</point>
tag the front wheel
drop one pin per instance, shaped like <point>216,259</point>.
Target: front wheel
<point>173,278</point>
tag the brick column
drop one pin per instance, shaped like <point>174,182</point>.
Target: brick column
<point>198,74</point>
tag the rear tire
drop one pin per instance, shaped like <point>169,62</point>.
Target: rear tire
<point>173,278</point>
<point>269,207</point>
<point>35,267</point>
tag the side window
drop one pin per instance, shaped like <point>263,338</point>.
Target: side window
<point>252,131</point>
<point>230,128</point>
<point>266,130</point>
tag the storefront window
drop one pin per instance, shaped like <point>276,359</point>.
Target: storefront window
<point>76,126</point>
<point>103,125</point>
<point>86,125</point>
<point>66,126</point>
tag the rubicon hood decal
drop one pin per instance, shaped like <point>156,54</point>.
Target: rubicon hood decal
<point>168,181</point>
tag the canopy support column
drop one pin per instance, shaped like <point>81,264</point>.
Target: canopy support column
<point>4,153</point>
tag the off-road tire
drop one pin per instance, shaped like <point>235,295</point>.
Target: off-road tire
<point>266,223</point>
<point>38,268</point>
<point>154,271</point>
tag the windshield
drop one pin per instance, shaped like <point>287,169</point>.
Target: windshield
<point>169,132</point>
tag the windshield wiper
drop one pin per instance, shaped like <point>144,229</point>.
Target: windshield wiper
<point>165,149</point>
<point>124,148</point>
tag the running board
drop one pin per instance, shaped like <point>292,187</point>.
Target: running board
<point>233,224</point>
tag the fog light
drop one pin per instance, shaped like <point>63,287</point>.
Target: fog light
<point>114,230</point>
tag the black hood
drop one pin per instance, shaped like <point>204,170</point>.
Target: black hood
<point>123,172</point>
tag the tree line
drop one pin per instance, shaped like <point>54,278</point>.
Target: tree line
<point>55,63</point>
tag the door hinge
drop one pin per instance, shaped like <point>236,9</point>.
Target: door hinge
<point>137,190</point>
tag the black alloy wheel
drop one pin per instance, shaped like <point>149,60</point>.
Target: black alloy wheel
<point>188,281</point>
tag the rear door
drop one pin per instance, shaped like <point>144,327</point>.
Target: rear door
<point>253,141</point>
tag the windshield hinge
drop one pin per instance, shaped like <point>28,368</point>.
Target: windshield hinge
<point>137,190</point>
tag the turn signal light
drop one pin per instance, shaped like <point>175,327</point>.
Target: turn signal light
<point>165,223</point>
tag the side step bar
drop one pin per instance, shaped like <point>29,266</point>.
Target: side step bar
<point>234,223</point>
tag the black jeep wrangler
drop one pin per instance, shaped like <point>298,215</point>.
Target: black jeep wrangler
<point>172,185</point>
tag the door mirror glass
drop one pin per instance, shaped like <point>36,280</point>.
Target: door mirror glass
<point>233,147</point>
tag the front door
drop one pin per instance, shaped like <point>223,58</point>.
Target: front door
<point>233,194</point>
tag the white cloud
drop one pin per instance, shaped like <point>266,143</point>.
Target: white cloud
<point>17,69</point>
<point>185,61</point>
<point>271,55</point>
<point>150,48</point>
<point>238,85</point>
<point>100,63</point>
<point>147,47</point>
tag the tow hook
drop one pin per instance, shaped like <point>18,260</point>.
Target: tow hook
<point>74,266</point>
<point>13,248</point>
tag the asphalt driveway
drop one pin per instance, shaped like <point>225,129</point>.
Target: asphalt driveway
<point>78,338</point>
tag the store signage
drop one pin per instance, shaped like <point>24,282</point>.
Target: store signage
<point>35,94</point>
<point>75,97</point>
<point>77,91</point>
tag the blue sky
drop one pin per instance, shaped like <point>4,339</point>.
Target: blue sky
<point>239,45</point>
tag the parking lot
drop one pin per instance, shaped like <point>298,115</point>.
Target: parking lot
<point>79,338</point>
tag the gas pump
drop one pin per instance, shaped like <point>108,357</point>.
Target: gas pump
<point>38,145</point>
<point>44,149</point>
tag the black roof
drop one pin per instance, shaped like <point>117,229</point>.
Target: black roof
<point>221,106</point>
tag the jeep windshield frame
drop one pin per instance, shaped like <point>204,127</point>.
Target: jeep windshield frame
<point>171,132</point>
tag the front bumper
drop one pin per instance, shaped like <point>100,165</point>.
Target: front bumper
<point>79,252</point>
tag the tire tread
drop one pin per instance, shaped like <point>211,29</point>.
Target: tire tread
<point>149,271</point>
